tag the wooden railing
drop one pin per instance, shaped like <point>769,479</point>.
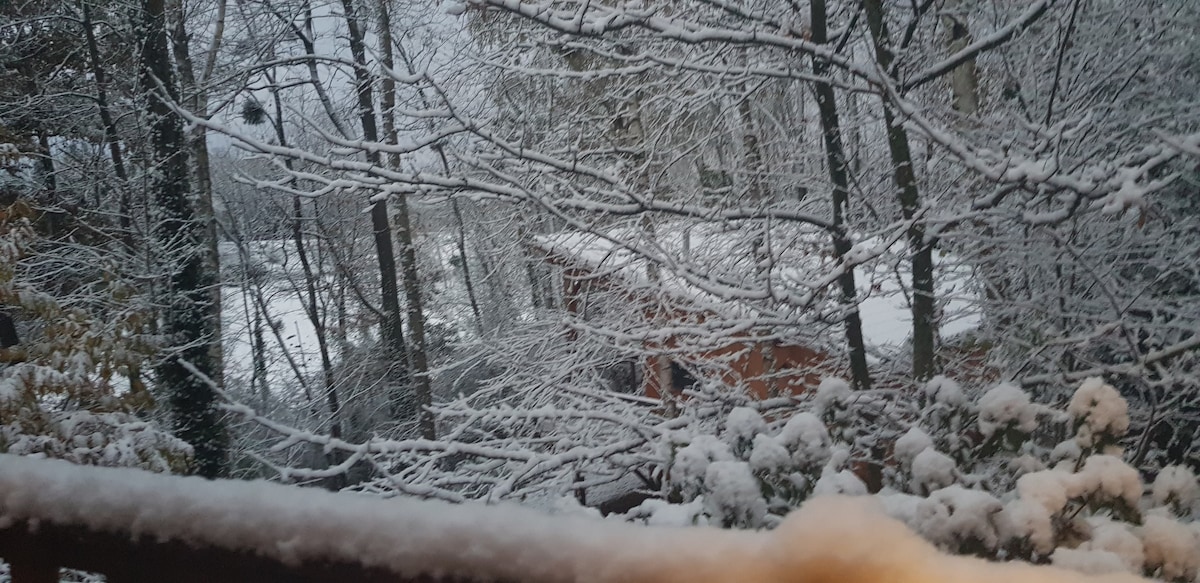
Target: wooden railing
<point>134,526</point>
<point>36,553</point>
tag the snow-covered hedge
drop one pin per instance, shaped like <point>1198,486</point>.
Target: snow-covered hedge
<point>1000,477</point>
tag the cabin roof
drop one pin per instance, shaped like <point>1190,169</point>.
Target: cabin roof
<point>777,276</point>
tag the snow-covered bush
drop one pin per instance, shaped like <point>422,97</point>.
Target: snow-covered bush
<point>1100,414</point>
<point>71,388</point>
<point>984,477</point>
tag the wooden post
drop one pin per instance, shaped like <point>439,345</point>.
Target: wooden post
<point>32,570</point>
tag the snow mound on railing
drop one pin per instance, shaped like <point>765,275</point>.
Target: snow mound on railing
<point>829,540</point>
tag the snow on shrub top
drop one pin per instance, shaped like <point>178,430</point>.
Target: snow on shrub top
<point>733,496</point>
<point>691,461</point>
<point>1176,485</point>
<point>957,518</point>
<point>944,390</point>
<point>807,438</point>
<point>931,470</point>
<point>768,455</point>
<point>1171,547</point>
<point>1109,478</point>
<point>1049,488</point>
<point>1028,520</point>
<point>832,391</point>
<point>835,479</point>
<point>1098,410</point>
<point>1005,405</point>
<point>913,442</point>
<point>1087,561</point>
<point>743,423</point>
<point>1114,537</point>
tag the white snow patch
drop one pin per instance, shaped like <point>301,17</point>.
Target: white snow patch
<point>1098,409</point>
<point>808,438</point>
<point>839,482</point>
<point>932,470</point>
<point>955,515</point>
<point>832,392</point>
<point>1116,538</point>
<point>1170,546</point>
<point>733,493</point>
<point>692,461</point>
<point>944,390</point>
<point>1088,561</point>
<point>743,424</point>
<point>1028,520</point>
<point>1006,405</point>
<point>1109,478</point>
<point>768,455</point>
<point>913,442</point>
<point>901,506</point>
<point>663,513</point>
<point>1175,485</point>
<point>1049,488</point>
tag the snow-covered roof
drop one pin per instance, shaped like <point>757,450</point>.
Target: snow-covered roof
<point>715,267</point>
<point>829,540</point>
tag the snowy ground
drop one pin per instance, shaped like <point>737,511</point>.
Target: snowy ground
<point>279,267</point>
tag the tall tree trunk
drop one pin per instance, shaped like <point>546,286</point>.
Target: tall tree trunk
<point>195,99</point>
<point>311,308</point>
<point>924,334</point>
<point>393,334</point>
<point>55,219</point>
<point>189,320</point>
<point>111,138</point>
<point>418,353</point>
<point>964,83</point>
<point>754,157</point>
<point>838,174</point>
<point>465,259</point>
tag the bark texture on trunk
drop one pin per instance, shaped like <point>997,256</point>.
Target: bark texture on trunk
<point>194,97</point>
<point>188,321</point>
<point>415,316</point>
<point>835,154</point>
<point>403,403</point>
<point>924,336</point>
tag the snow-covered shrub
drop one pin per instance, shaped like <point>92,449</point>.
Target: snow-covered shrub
<point>837,479</point>
<point>689,469</point>
<point>961,520</point>
<point>932,470</point>
<point>1006,416</point>
<point>733,497</point>
<point>912,443</point>
<point>1172,549</point>
<point>741,426</point>
<point>808,439</point>
<point>1100,414</point>
<point>1176,486</point>
<point>72,389</point>
<point>1117,538</point>
<point>1006,491</point>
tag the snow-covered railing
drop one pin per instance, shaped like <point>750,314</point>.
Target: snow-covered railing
<point>132,525</point>
<point>137,526</point>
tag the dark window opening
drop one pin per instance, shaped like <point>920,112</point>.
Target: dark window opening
<point>681,379</point>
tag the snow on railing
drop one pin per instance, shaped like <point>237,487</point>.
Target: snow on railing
<point>136,526</point>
